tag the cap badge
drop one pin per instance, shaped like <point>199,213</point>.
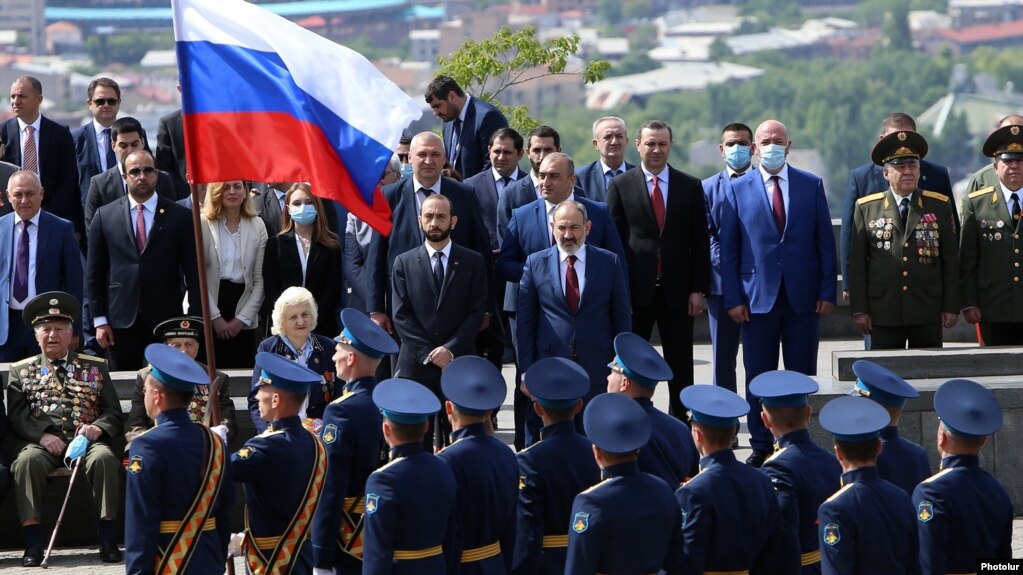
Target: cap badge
<point>54,301</point>
<point>902,136</point>
<point>1014,130</point>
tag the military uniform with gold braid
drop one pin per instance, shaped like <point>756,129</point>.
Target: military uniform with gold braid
<point>904,275</point>
<point>991,260</point>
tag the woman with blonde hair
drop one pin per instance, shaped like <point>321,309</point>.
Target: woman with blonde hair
<point>234,241</point>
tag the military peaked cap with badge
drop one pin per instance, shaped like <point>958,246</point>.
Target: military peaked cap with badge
<point>174,369</point>
<point>190,327</point>
<point>881,384</point>
<point>557,383</point>
<point>1005,143</point>
<point>713,405</point>
<point>51,306</point>
<point>639,361</point>
<point>473,384</point>
<point>282,373</point>
<point>365,335</point>
<point>898,148</point>
<point>781,388</point>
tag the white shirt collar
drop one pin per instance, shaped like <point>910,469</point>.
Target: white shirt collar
<point>548,206</point>
<point>604,167</point>
<point>34,219</point>
<point>150,204</point>
<point>783,175</point>
<point>22,125</point>
<point>435,188</point>
<point>663,175</point>
<point>100,127</point>
<point>446,250</point>
<point>1007,193</point>
<point>580,254</point>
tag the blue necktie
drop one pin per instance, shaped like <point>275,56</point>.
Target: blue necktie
<point>456,137</point>
<point>110,157</point>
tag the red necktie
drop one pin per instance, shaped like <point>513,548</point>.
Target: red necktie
<point>778,205</point>
<point>657,201</point>
<point>572,286</point>
<point>140,229</point>
<point>30,159</point>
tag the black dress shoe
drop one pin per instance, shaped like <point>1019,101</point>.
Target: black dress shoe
<point>758,458</point>
<point>109,553</point>
<point>33,557</point>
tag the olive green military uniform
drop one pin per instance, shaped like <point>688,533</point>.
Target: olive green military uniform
<point>904,276</point>
<point>42,399</point>
<point>986,177</point>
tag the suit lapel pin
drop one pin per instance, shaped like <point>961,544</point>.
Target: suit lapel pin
<point>161,210</point>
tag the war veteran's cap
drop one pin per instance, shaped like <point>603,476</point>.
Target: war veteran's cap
<point>899,147</point>
<point>967,408</point>
<point>473,384</point>
<point>1005,143</point>
<point>405,401</point>
<point>51,305</point>
<point>782,388</point>
<point>283,373</point>
<point>179,327</point>
<point>714,406</point>
<point>639,361</point>
<point>557,383</point>
<point>854,419</point>
<point>174,369</point>
<point>616,423</point>
<point>881,384</point>
<point>364,335</point>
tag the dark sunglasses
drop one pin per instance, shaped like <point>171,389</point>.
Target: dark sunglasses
<point>105,101</point>
<point>403,158</point>
<point>136,172</point>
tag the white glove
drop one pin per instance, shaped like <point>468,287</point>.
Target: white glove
<point>234,547</point>
<point>220,430</point>
<point>318,571</point>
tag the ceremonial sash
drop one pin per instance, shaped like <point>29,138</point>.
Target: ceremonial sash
<point>350,537</point>
<point>280,561</point>
<point>183,541</point>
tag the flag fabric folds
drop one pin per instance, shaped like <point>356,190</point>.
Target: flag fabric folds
<point>264,99</point>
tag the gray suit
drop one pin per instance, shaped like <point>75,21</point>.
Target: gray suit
<point>108,187</point>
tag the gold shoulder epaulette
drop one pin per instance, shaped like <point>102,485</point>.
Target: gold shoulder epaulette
<point>939,474</point>
<point>840,491</point>
<point>870,198</point>
<point>981,192</point>
<point>91,358</point>
<point>935,195</point>
<point>776,454</point>
<point>598,485</point>
<point>24,362</point>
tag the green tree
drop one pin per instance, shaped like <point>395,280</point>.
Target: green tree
<point>507,59</point>
<point>609,11</point>
<point>637,9</point>
<point>719,50</point>
<point>634,63</point>
<point>896,26</point>
<point>127,49</point>
<point>773,12</point>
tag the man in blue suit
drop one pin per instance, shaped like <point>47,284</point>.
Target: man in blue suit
<point>778,267</point>
<point>93,141</point>
<point>610,138</point>
<point>540,142</point>
<point>38,254</point>
<point>468,124</point>
<point>573,300</point>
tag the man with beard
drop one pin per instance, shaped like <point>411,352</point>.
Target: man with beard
<point>439,294</point>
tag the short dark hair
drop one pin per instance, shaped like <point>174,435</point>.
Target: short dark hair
<point>737,127</point>
<point>106,83</point>
<point>441,86</point>
<point>142,151</point>
<point>408,432</point>
<point>37,86</point>
<point>543,131</point>
<point>405,140</point>
<point>502,133</point>
<point>655,125</point>
<point>898,119</point>
<point>126,125</point>
<point>787,417</point>
<point>175,397</point>
<point>564,414</point>
<point>860,451</point>
<point>716,436</point>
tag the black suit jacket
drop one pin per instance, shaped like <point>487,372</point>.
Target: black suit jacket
<point>170,151</point>
<point>425,318</point>
<point>683,245</point>
<point>58,168</point>
<point>108,187</point>
<point>481,121</point>
<point>282,269</point>
<point>87,153</point>
<point>406,235</point>
<point>123,283</point>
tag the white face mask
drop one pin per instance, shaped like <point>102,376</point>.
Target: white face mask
<point>772,156</point>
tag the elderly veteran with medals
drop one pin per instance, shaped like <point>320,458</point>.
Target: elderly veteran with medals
<point>279,506</point>
<point>185,335</point>
<point>54,397</point>
<point>904,268</point>
<point>177,511</point>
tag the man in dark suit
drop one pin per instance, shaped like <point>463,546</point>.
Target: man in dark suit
<point>777,267</point>
<point>126,137</point>
<point>468,124</point>
<point>38,254</point>
<point>610,138</point>
<point>50,152</point>
<point>93,141</point>
<point>540,142</point>
<point>356,245</point>
<point>170,151</point>
<point>439,298</point>
<point>490,185</point>
<point>6,171</point>
<point>661,217</point>
<point>573,300</point>
<point>141,255</point>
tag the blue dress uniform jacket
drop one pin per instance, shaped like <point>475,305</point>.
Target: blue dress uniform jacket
<point>902,462</point>
<point>963,515</point>
<point>353,440</point>
<point>731,522</point>
<point>866,528</point>
<point>627,523</point>
<point>409,503</point>
<point>670,454</point>
<point>170,460</point>
<point>271,496</point>
<point>803,475</point>
<point>551,473</point>
<point>320,361</point>
<point>483,538</point>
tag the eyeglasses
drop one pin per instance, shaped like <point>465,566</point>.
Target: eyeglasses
<point>136,172</point>
<point>403,158</point>
<point>106,101</point>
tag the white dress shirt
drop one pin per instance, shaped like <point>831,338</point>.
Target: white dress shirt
<point>33,245</point>
<point>35,126</point>
<point>663,178</point>
<point>783,182</point>
<point>580,269</point>
<point>103,144</point>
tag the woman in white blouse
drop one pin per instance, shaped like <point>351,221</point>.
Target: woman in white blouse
<point>234,240</point>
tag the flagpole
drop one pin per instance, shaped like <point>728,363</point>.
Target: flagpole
<point>207,325</point>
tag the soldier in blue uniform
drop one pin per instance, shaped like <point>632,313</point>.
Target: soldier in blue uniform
<point>279,506</point>
<point>409,501</point>
<point>351,434</point>
<point>803,474</point>
<point>635,372</point>
<point>483,539</point>
<point>866,527</point>
<point>730,517</point>
<point>554,470</point>
<point>902,462</point>
<point>963,513</point>
<point>627,523</point>
<point>178,480</point>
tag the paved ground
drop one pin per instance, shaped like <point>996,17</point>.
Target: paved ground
<point>86,561</point>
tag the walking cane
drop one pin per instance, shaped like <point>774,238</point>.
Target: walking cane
<point>60,518</point>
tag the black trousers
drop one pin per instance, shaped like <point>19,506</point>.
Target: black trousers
<point>676,329</point>
<point>238,352</point>
<point>128,351</point>
<point>1004,333</point>
<point>905,336</point>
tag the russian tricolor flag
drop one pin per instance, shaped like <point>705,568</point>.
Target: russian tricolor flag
<point>264,99</point>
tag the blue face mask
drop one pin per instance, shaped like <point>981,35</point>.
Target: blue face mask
<point>79,445</point>
<point>772,156</point>
<point>737,156</point>
<point>305,214</point>
<point>406,170</point>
